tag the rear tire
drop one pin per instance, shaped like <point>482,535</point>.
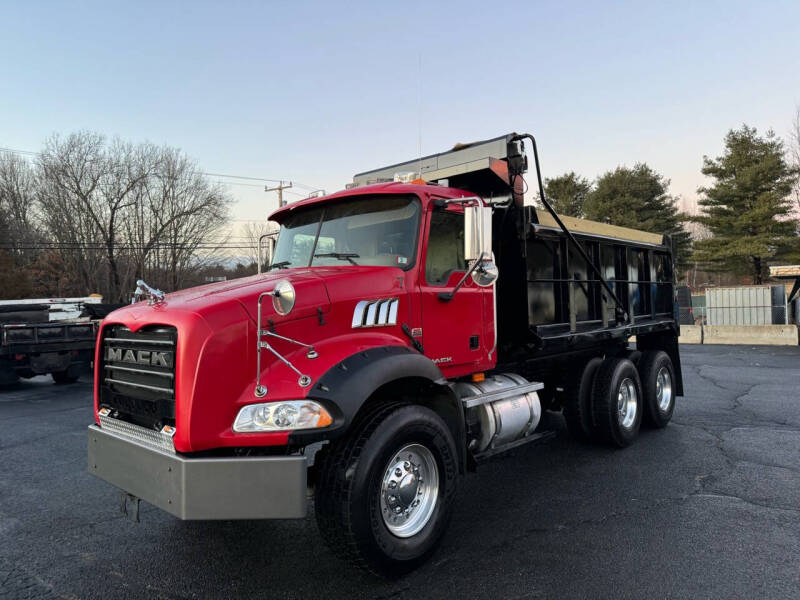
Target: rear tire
<point>363,480</point>
<point>578,402</point>
<point>617,402</point>
<point>63,377</point>
<point>658,387</point>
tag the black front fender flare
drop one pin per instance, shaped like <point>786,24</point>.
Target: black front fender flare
<point>346,386</point>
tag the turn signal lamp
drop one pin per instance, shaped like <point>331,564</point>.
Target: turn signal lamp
<point>281,416</point>
<point>478,377</point>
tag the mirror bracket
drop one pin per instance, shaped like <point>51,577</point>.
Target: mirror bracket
<point>447,296</point>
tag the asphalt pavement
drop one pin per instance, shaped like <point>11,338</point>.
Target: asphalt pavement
<point>707,508</point>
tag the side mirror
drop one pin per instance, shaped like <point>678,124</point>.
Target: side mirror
<point>478,244</point>
<point>477,232</point>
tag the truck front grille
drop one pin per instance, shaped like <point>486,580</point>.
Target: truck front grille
<point>137,379</point>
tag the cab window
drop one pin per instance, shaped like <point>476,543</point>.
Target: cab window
<point>445,247</point>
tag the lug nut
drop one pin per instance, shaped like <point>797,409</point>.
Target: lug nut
<point>392,484</point>
<point>398,510</point>
<point>406,465</point>
<point>398,472</point>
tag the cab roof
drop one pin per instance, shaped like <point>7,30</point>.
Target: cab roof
<point>425,192</point>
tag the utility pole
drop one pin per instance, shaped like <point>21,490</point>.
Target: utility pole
<point>279,188</point>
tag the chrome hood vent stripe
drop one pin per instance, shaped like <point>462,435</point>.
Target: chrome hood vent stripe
<point>376,313</point>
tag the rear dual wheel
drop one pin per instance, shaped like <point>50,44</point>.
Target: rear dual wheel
<point>617,402</point>
<point>578,402</point>
<point>612,398</point>
<point>658,376</point>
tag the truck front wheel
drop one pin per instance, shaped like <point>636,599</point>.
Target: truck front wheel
<point>385,492</point>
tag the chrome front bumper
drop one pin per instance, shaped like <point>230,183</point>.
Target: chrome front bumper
<point>271,487</point>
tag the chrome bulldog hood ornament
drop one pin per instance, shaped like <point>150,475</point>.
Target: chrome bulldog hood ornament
<point>143,291</point>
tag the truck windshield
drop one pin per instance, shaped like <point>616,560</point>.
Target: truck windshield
<point>367,230</point>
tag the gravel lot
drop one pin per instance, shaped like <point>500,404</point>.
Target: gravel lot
<point>708,507</point>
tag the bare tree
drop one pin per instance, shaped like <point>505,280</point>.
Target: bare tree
<point>794,154</point>
<point>186,214</point>
<point>74,211</point>
<point>17,195</point>
<point>121,211</point>
<point>18,234</point>
<point>250,233</point>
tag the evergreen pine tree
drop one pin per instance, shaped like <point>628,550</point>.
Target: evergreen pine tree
<point>748,208</point>
<point>567,193</point>
<point>637,197</point>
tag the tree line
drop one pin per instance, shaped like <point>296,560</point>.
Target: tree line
<point>89,214</point>
<point>748,215</point>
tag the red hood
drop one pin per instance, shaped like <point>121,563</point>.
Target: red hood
<point>309,283</point>
<point>216,346</point>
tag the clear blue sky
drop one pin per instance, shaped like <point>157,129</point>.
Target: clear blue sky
<point>317,92</point>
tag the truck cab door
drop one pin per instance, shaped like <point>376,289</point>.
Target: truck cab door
<point>458,334</point>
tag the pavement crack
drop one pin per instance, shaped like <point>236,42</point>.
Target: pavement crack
<point>746,501</point>
<point>763,464</point>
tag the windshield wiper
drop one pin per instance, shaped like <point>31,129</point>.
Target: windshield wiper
<point>340,255</point>
<point>280,265</point>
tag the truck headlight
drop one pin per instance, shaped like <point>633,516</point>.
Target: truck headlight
<point>279,416</point>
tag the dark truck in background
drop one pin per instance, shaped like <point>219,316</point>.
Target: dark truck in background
<point>53,336</point>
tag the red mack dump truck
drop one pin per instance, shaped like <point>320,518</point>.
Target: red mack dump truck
<point>408,328</point>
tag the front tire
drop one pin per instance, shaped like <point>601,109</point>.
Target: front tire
<point>385,492</point>
<point>617,397</point>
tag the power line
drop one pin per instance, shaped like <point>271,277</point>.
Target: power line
<point>206,173</point>
<point>25,152</point>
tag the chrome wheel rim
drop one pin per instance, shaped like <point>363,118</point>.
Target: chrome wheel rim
<point>627,403</point>
<point>409,490</point>
<point>663,389</point>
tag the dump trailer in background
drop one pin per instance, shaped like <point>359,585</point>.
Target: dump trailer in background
<point>410,328</point>
<point>53,336</point>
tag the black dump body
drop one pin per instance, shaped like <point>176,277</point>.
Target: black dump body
<point>553,309</point>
